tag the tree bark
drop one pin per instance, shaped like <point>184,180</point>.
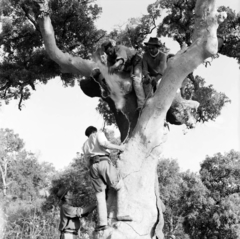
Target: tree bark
<point>138,163</point>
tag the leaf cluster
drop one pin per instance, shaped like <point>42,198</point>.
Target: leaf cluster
<point>179,24</point>
<point>211,101</point>
<point>24,62</point>
<point>205,205</point>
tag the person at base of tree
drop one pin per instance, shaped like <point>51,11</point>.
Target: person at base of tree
<point>154,65</point>
<point>103,174</point>
<point>69,215</point>
<point>121,58</point>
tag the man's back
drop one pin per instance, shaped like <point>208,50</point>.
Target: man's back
<point>93,147</point>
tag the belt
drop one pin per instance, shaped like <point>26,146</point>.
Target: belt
<point>70,232</point>
<point>98,158</point>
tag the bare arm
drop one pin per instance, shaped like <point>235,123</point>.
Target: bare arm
<point>67,62</point>
<point>106,144</point>
<point>87,210</point>
<point>70,211</point>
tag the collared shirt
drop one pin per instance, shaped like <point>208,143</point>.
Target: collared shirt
<point>122,53</point>
<point>69,217</point>
<point>94,145</point>
<point>154,66</point>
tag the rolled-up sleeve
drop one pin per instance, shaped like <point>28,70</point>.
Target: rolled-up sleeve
<point>121,54</point>
<point>102,140</point>
<point>72,212</point>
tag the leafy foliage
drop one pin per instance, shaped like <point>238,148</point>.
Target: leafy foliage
<point>229,30</point>
<point>28,176</point>
<point>137,29</point>
<point>170,180</point>
<point>221,174</point>
<point>211,101</point>
<point>205,205</point>
<point>10,146</point>
<point>22,175</point>
<point>179,24</point>
<point>105,111</point>
<point>25,62</point>
<point>75,178</point>
<point>217,214</point>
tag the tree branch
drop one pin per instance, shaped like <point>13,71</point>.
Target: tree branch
<point>29,17</point>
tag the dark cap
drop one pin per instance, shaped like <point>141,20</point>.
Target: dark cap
<point>90,130</point>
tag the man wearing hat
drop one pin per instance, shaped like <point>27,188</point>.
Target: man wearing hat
<point>123,59</point>
<point>69,215</point>
<point>104,175</point>
<point>154,65</point>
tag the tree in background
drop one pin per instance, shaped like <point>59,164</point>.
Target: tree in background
<point>29,177</point>
<point>178,190</point>
<point>215,213</point>
<point>136,29</point>
<point>21,173</point>
<point>170,181</point>
<point>205,205</point>
<point>10,146</point>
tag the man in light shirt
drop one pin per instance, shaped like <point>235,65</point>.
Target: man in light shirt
<point>103,174</point>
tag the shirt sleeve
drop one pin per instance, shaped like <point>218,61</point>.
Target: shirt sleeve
<point>121,53</point>
<point>163,62</point>
<point>145,66</point>
<point>102,140</point>
<point>86,156</point>
<point>72,212</point>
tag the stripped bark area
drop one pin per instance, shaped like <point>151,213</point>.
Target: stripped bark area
<point>143,132</point>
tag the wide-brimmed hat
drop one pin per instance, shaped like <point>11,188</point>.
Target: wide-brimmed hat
<point>153,41</point>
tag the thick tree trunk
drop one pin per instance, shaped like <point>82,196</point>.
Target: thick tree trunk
<point>139,161</point>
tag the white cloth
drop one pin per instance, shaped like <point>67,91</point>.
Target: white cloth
<point>94,145</point>
<point>69,236</point>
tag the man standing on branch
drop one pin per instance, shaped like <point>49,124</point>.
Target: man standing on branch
<point>121,58</point>
<point>154,65</point>
<point>69,215</point>
<point>103,174</point>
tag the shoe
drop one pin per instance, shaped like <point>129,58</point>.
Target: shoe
<point>124,218</point>
<point>101,228</point>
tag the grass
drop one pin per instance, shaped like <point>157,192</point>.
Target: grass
<point>26,220</point>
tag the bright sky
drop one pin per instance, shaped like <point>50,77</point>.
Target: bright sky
<point>53,121</point>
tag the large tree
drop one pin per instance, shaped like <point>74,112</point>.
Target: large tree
<point>215,212</point>
<point>143,132</point>
<point>28,176</point>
